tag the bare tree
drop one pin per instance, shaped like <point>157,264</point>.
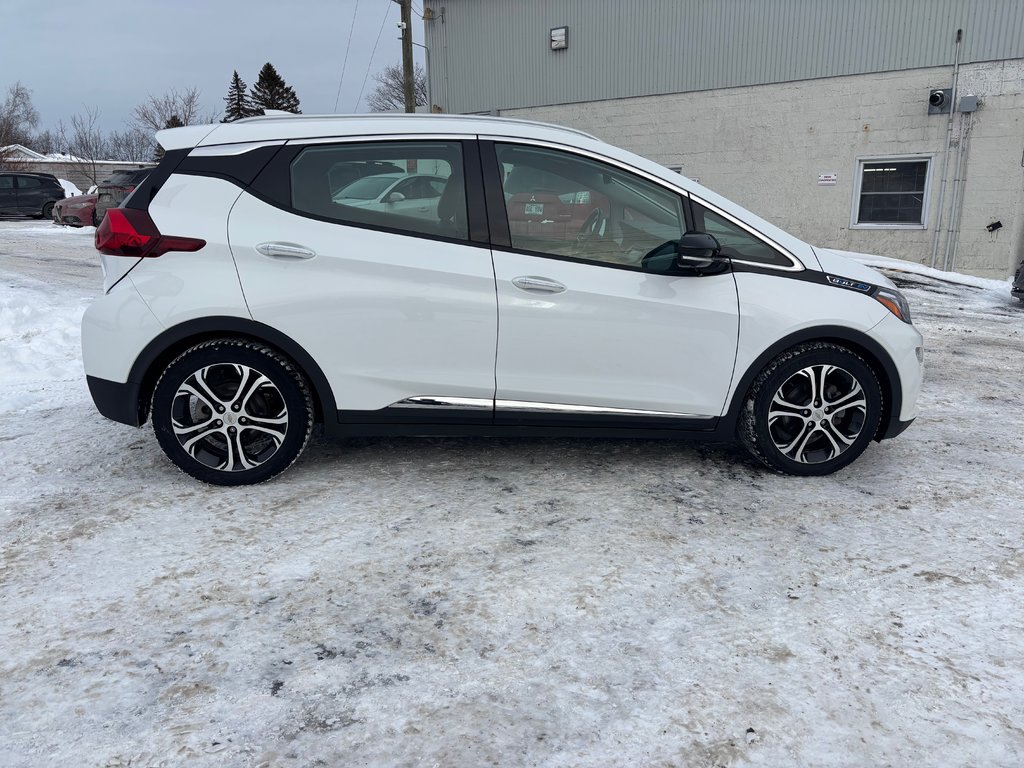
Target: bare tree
<point>85,143</point>
<point>157,110</point>
<point>389,93</point>
<point>134,144</point>
<point>47,142</point>
<point>18,118</point>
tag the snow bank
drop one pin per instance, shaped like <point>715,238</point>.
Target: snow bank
<point>39,347</point>
<point>70,190</point>
<point>899,265</point>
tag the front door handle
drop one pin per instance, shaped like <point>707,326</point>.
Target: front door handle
<point>537,284</point>
<point>285,251</point>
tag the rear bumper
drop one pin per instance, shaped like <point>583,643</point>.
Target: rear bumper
<point>116,400</point>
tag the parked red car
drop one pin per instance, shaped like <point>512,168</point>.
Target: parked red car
<point>77,211</point>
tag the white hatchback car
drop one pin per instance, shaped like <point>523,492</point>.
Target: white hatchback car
<point>561,286</point>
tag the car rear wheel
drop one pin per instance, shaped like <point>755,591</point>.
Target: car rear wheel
<point>232,412</point>
<point>48,211</point>
<point>812,410</point>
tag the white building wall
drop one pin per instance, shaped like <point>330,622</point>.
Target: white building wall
<point>764,147</point>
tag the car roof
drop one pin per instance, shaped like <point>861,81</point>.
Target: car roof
<point>287,127</point>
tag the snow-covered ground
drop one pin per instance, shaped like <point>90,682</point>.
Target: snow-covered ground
<point>508,602</point>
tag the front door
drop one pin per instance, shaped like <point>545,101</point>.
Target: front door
<point>587,330</point>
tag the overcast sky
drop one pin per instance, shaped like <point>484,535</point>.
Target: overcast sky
<point>110,54</point>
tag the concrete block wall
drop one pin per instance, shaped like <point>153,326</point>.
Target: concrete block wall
<point>765,146</point>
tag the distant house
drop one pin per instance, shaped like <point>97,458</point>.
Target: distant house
<point>78,171</point>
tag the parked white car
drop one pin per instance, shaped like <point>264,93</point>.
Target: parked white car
<point>409,194</point>
<point>562,286</point>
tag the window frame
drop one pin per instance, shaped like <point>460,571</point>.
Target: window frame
<point>273,183</point>
<point>498,214</point>
<point>859,178</point>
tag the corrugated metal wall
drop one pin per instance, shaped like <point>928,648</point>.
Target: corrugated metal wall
<point>494,54</point>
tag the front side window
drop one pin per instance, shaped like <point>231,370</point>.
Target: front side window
<point>891,192</point>
<point>570,206</point>
<point>6,182</point>
<point>363,184</point>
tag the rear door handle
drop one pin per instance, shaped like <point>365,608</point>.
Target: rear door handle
<point>285,251</point>
<point>537,284</point>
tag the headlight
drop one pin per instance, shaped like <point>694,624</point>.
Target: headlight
<point>895,302</point>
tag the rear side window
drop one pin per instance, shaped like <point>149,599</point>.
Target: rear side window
<point>415,187</point>
<point>29,182</point>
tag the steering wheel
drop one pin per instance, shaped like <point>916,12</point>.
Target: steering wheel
<point>593,226</point>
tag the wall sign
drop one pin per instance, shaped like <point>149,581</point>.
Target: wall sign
<point>827,179</point>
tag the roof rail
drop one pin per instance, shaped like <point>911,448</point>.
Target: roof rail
<point>279,115</point>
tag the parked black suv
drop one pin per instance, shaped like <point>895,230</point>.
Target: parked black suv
<point>112,192</point>
<point>29,193</point>
<point>1018,282</point>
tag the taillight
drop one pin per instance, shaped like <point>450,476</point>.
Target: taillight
<point>131,232</point>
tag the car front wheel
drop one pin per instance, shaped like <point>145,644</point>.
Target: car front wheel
<point>232,412</point>
<point>812,410</point>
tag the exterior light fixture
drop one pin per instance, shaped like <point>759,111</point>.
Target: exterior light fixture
<point>559,38</point>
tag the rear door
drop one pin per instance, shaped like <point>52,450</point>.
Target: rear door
<point>399,310</point>
<point>32,194</point>
<point>8,193</point>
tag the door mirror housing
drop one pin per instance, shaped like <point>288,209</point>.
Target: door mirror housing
<point>695,253</point>
<point>394,197</point>
<point>698,251</point>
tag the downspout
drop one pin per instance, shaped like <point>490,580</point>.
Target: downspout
<point>956,194</point>
<point>965,149</point>
<point>949,141</point>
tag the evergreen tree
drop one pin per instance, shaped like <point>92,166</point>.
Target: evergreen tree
<point>271,92</point>
<point>238,104</point>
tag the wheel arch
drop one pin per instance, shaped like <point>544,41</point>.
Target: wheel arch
<point>163,349</point>
<point>856,341</point>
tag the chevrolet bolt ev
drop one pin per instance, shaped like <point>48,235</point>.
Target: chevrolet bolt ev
<point>556,286</point>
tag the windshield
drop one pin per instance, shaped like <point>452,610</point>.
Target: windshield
<point>366,188</point>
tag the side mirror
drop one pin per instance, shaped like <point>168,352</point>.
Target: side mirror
<point>394,197</point>
<point>698,251</point>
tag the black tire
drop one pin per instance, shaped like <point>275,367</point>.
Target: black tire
<point>48,211</point>
<point>232,412</point>
<point>828,410</point>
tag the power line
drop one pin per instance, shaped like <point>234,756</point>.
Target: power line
<point>348,47</point>
<point>387,7</point>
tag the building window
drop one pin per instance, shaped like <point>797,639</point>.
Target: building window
<point>892,192</point>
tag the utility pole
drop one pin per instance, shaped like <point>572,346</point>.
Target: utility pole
<point>407,69</point>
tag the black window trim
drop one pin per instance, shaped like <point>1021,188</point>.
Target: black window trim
<point>276,176</point>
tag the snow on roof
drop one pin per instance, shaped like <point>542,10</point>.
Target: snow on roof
<point>20,149</point>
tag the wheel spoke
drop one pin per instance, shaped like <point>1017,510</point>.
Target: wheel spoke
<point>202,388</point>
<point>250,383</point>
<point>236,459</point>
<point>854,398</point>
<point>190,435</point>
<point>838,440</point>
<point>781,407</point>
<point>795,450</point>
